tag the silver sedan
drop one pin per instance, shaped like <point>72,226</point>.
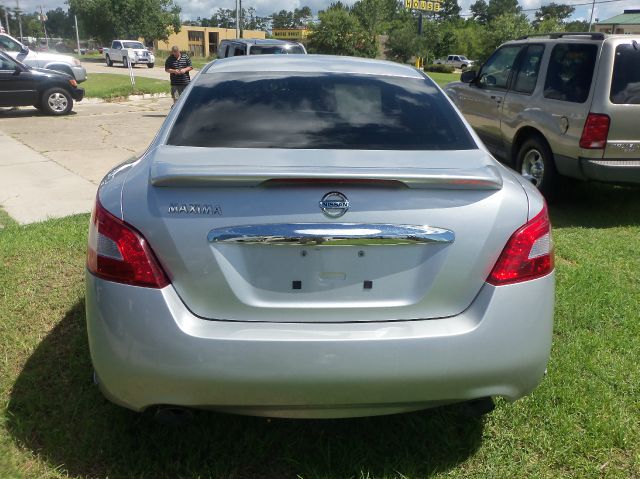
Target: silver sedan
<point>317,236</point>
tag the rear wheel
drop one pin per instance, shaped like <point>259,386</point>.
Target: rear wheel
<point>125,62</point>
<point>56,101</point>
<point>149,65</point>
<point>535,162</point>
<point>109,62</point>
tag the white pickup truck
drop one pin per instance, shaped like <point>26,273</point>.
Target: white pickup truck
<point>128,52</point>
<point>458,61</point>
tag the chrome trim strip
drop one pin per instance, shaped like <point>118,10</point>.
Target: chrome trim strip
<point>331,234</point>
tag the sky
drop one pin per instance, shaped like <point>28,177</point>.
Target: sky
<point>192,9</point>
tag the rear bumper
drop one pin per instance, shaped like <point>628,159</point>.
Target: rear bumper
<point>148,349</point>
<point>612,171</point>
<point>77,93</point>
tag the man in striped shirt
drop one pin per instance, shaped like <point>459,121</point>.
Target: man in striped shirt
<point>178,65</point>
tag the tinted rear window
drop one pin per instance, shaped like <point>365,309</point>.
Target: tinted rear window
<point>625,83</point>
<point>327,111</point>
<point>570,72</point>
<point>275,49</point>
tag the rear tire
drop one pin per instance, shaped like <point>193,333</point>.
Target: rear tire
<point>109,62</point>
<point>125,62</point>
<point>56,101</point>
<point>149,65</point>
<point>535,162</point>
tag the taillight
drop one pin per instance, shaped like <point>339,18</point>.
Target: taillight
<point>117,252</point>
<point>595,131</point>
<point>528,253</point>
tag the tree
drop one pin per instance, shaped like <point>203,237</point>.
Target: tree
<point>108,19</point>
<point>401,44</point>
<point>375,15</point>
<point>450,10</point>
<point>497,8</point>
<point>502,28</point>
<point>480,11</point>
<point>59,23</point>
<point>553,11</point>
<point>338,32</point>
<point>223,18</point>
<point>282,19</point>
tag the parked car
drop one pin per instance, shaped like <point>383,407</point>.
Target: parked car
<point>128,52</point>
<point>243,46</point>
<point>458,61</point>
<point>317,236</point>
<point>564,104</point>
<point>50,61</point>
<point>48,90</point>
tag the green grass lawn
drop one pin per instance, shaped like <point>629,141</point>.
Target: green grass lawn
<point>111,85</point>
<point>443,78</point>
<point>583,420</point>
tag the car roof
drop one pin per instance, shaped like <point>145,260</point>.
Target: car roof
<point>312,64</point>
<point>570,37</point>
<point>259,41</point>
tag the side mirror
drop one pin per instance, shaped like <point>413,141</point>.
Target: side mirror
<point>468,76</point>
<point>490,80</point>
<point>24,51</point>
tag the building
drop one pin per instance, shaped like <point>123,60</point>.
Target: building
<point>627,23</point>
<point>292,34</point>
<point>202,41</point>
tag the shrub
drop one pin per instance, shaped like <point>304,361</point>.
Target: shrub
<point>439,68</point>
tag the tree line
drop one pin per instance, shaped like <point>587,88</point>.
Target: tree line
<point>356,30</point>
<point>362,29</point>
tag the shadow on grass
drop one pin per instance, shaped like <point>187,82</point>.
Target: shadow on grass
<point>596,205</point>
<point>56,412</point>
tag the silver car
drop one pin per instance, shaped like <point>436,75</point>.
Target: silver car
<point>317,236</point>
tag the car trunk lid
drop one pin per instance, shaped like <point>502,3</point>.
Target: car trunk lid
<point>299,236</point>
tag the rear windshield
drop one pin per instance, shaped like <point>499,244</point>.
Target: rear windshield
<point>275,49</point>
<point>328,111</point>
<point>625,83</point>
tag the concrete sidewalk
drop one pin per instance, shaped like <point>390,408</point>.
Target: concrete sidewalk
<point>51,166</point>
<point>34,188</point>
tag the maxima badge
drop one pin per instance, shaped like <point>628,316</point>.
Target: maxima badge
<point>334,204</point>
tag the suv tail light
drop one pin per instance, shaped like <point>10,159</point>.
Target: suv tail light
<point>527,255</point>
<point>595,131</point>
<point>117,252</point>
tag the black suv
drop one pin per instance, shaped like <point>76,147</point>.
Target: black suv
<point>50,91</point>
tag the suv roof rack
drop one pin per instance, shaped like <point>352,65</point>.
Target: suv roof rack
<point>592,35</point>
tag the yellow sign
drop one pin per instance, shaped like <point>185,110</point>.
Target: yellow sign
<point>422,5</point>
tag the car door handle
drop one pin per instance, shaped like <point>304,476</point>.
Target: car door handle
<point>498,99</point>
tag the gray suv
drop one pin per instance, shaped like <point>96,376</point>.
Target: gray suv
<point>562,104</point>
<point>245,46</point>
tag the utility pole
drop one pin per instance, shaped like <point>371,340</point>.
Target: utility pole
<point>237,18</point>
<point>6,20</point>
<point>241,18</point>
<point>75,18</point>
<point>19,17</point>
<point>593,5</point>
<point>43,18</point>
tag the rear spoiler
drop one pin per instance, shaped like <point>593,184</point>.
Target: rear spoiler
<point>216,172</point>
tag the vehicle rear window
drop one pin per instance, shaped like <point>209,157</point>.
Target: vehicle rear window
<point>275,49</point>
<point>570,72</point>
<point>625,83</point>
<point>327,111</point>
